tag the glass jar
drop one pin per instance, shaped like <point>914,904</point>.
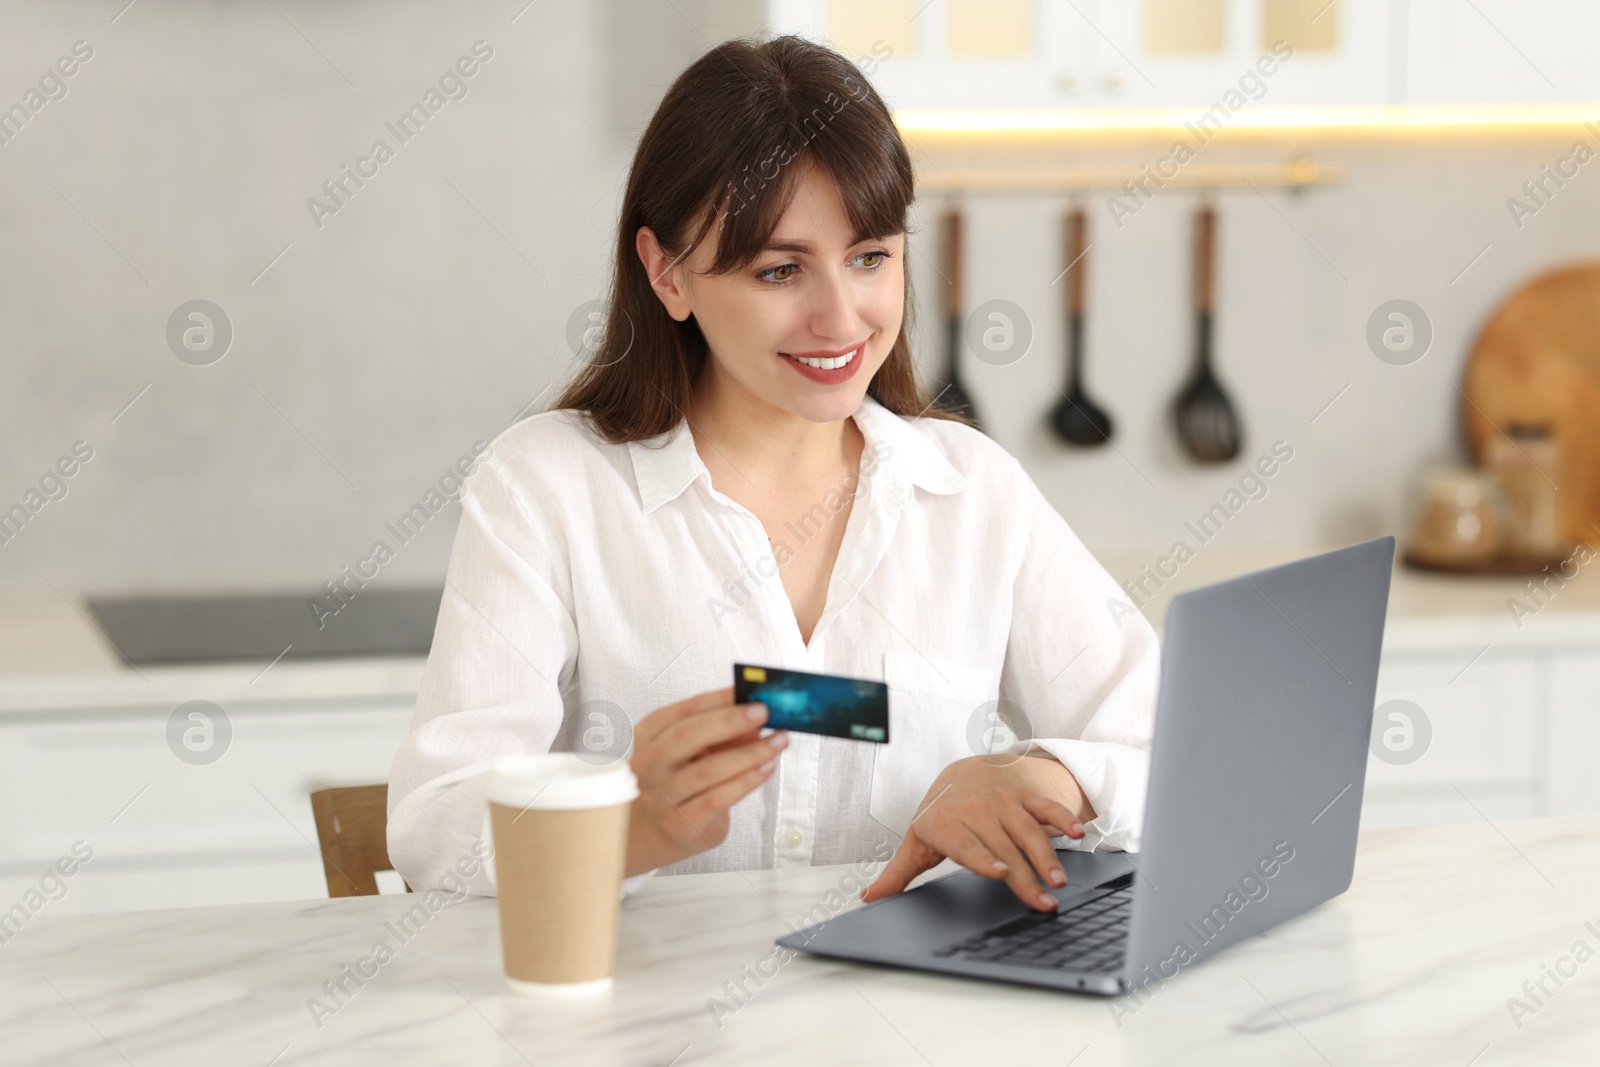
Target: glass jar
<point>1460,518</point>
<point>1526,464</point>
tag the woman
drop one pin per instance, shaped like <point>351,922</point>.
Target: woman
<point>748,470</point>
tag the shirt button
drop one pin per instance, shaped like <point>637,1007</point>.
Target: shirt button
<point>794,839</point>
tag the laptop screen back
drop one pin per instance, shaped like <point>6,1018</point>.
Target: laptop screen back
<point>1259,755</point>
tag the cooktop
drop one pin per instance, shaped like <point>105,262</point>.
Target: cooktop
<point>248,626</point>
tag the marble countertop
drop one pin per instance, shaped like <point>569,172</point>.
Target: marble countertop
<point>1416,964</point>
<point>1427,609</point>
<point>337,681</point>
<point>52,656</point>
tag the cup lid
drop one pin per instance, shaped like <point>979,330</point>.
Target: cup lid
<point>560,780</point>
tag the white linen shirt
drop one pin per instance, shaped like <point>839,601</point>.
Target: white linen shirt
<point>584,571</point>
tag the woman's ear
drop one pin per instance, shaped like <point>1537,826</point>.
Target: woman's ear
<point>663,277</point>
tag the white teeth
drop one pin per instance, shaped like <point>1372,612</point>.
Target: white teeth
<point>828,364</point>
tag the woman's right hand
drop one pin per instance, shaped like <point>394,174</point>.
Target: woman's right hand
<point>694,760</point>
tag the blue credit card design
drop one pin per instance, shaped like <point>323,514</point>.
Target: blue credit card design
<point>827,704</point>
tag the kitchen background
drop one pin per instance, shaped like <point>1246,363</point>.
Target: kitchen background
<point>365,350</point>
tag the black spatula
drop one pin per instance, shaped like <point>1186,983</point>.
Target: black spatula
<point>953,397</point>
<point>1077,419</point>
<point>1207,424</point>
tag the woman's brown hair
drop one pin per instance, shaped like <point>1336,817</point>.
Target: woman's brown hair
<point>724,149</point>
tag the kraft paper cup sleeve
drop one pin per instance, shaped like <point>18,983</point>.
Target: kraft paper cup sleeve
<point>525,780</point>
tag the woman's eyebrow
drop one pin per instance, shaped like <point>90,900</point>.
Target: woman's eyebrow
<point>784,244</point>
<point>806,248</point>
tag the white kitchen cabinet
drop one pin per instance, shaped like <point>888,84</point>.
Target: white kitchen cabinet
<point>914,68</point>
<point>1575,731</point>
<point>1487,721</point>
<point>1355,71</point>
<point>1500,51</point>
<point>1093,53</point>
<point>1485,756</point>
<point>166,833</point>
<point>1515,735</point>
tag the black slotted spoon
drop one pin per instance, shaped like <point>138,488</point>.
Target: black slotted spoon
<point>1077,419</point>
<point>1207,424</point>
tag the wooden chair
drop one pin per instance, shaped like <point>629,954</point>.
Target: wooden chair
<point>352,830</point>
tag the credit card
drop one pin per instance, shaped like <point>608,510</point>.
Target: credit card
<point>827,704</point>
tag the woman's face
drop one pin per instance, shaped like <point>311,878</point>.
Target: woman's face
<point>814,293</point>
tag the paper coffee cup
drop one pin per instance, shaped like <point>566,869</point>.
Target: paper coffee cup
<point>560,828</point>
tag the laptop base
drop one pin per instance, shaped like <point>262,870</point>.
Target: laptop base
<point>960,906</point>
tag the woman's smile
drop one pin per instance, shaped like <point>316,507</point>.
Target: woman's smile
<point>827,366</point>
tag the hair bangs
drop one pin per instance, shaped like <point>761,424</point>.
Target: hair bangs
<point>874,188</point>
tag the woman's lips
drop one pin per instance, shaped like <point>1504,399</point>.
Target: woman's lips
<point>828,375</point>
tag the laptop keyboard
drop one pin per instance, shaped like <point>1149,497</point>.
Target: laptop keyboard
<point>1091,937</point>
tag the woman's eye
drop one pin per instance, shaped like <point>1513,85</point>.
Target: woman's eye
<point>786,271</point>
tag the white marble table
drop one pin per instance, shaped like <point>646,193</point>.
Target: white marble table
<point>1414,965</point>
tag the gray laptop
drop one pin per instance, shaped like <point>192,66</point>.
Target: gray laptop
<point>1257,765</point>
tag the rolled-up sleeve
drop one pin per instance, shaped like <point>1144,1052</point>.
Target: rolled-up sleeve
<point>504,640</point>
<point>1083,666</point>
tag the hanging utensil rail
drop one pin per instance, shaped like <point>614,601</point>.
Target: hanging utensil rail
<point>1295,174</point>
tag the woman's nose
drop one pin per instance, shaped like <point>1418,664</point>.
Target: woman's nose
<point>834,313</point>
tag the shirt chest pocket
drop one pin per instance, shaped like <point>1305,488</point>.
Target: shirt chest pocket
<point>933,706</point>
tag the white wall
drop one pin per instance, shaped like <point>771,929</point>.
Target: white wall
<point>411,325</point>
<point>1298,276</point>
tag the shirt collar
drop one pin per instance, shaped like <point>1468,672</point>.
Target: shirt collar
<point>667,464</point>
<point>664,465</point>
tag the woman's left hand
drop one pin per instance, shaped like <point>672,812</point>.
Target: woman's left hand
<point>994,815</point>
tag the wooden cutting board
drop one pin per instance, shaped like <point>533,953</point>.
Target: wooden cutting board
<point>1538,360</point>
